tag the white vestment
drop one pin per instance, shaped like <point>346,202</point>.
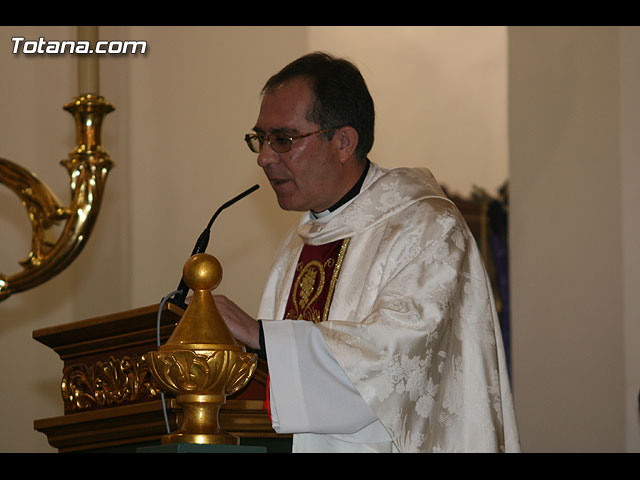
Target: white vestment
<point>410,358</point>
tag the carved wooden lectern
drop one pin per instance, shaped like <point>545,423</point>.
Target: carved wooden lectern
<point>110,400</point>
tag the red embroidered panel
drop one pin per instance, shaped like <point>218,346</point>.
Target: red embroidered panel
<point>316,275</point>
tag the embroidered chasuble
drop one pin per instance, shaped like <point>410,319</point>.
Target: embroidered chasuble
<point>315,280</point>
<point>403,350</point>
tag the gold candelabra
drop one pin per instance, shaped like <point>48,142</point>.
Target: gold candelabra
<point>88,166</point>
<point>201,363</point>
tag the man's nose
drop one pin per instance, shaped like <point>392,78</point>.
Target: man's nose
<point>267,156</point>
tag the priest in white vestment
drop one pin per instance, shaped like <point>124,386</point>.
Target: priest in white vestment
<point>377,321</point>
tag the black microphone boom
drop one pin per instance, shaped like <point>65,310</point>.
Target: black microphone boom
<point>202,243</point>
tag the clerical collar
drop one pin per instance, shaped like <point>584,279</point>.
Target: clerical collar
<point>355,190</point>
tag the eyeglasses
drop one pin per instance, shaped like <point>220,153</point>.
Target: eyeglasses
<point>279,142</point>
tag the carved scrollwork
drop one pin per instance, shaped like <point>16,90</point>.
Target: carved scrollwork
<point>107,383</point>
<point>182,371</point>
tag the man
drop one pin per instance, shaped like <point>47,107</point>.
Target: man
<point>377,320</point>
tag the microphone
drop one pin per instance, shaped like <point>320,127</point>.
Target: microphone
<point>201,246</point>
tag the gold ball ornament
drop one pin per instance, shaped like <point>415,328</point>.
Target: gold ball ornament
<point>202,272</point>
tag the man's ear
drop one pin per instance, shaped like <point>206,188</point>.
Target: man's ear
<point>346,139</point>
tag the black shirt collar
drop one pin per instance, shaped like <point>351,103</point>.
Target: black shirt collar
<point>355,190</point>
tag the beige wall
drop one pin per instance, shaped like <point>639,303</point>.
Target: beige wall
<point>33,90</point>
<point>630,173</point>
<point>440,95</point>
<point>573,114</point>
<point>176,137</point>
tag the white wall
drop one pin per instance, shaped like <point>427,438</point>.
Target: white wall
<point>573,156</point>
<point>192,99</point>
<point>440,97</point>
<point>33,91</point>
<point>629,174</point>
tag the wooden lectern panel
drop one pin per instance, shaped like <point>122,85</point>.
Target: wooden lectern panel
<point>110,399</point>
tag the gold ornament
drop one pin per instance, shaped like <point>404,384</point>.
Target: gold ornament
<point>201,363</point>
<point>88,166</point>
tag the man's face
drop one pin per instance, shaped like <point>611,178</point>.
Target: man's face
<point>304,178</point>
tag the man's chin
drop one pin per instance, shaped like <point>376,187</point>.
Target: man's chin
<point>291,208</point>
<point>290,205</point>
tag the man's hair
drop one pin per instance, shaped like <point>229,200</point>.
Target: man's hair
<point>341,95</point>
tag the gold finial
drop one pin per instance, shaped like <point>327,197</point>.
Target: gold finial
<point>201,363</point>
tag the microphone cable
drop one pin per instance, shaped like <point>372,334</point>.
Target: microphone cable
<point>159,317</point>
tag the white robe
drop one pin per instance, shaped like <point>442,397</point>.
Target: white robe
<point>410,358</point>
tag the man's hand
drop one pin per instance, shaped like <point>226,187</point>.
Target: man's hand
<point>243,327</point>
